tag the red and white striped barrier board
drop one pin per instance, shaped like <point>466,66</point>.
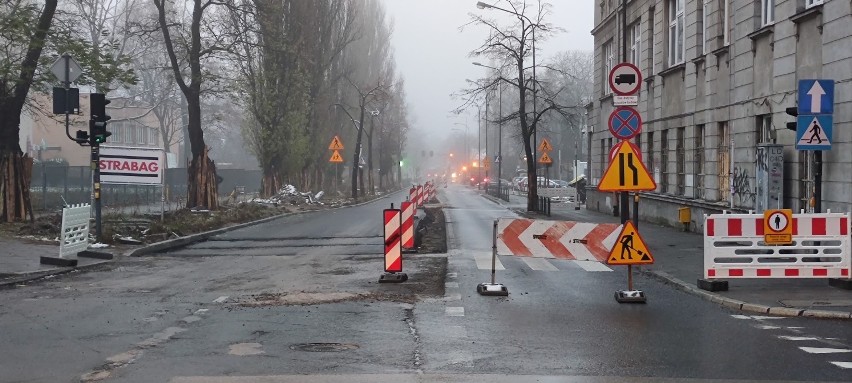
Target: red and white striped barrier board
<point>419,195</point>
<point>412,194</point>
<point>393,250</point>
<point>556,239</point>
<point>734,247</point>
<point>407,224</point>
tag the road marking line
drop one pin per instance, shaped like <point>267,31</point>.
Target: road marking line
<point>539,264</point>
<point>201,311</point>
<point>483,262</point>
<point>451,285</point>
<point>452,297</point>
<point>820,350</point>
<point>452,275</point>
<point>767,327</point>
<point>797,338</point>
<point>842,364</point>
<point>592,266</point>
<point>760,317</point>
<point>738,316</point>
<point>454,311</point>
<point>221,299</point>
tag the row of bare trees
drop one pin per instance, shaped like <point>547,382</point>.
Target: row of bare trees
<point>269,69</point>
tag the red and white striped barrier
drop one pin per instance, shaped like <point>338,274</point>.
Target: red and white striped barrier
<point>734,247</point>
<point>407,224</point>
<point>412,194</point>
<point>393,251</point>
<point>419,195</point>
<point>556,239</point>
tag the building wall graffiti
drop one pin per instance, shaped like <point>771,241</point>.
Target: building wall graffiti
<point>743,193</point>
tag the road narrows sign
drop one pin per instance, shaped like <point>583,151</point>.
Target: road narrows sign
<point>626,172</point>
<point>335,157</point>
<point>630,248</point>
<point>778,227</point>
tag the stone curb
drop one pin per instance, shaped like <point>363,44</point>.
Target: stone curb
<point>35,275</point>
<point>740,305</point>
<point>198,237</point>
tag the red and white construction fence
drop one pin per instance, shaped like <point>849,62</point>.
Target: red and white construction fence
<point>556,239</point>
<point>734,247</point>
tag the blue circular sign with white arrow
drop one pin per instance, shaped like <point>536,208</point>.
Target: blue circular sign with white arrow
<point>625,123</point>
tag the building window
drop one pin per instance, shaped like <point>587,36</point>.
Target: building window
<point>811,3</point>
<point>636,43</point>
<point>680,153</point>
<point>664,160</point>
<point>603,159</point>
<point>763,125</point>
<point>128,134</point>
<point>115,128</point>
<point>699,161</point>
<point>724,168</point>
<point>725,17</point>
<point>767,12</point>
<point>702,31</point>
<point>651,47</point>
<point>676,35</point>
<point>152,137</point>
<point>608,62</point>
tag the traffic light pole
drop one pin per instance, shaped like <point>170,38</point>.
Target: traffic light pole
<point>96,190</point>
<point>817,181</point>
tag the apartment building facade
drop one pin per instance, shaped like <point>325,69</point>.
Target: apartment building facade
<point>717,78</point>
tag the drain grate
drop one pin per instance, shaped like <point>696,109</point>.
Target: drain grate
<point>324,347</point>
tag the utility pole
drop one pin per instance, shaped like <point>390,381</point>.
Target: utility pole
<point>624,199</point>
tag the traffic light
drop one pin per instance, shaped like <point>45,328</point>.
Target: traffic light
<point>98,123</point>
<point>793,111</point>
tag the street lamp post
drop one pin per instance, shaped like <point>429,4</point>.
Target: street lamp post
<point>499,160</point>
<point>482,5</point>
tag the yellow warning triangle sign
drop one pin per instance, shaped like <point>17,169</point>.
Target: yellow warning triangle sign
<point>545,146</point>
<point>545,159</point>
<point>336,157</point>
<point>626,172</point>
<point>336,144</point>
<point>630,248</point>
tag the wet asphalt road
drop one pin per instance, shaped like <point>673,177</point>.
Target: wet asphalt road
<point>247,305</point>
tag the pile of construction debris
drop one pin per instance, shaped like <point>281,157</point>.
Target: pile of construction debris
<point>288,195</point>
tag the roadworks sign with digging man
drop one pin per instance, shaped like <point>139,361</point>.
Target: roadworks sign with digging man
<point>630,248</point>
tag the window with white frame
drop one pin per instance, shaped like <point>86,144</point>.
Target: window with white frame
<point>705,9</point>
<point>152,136</point>
<point>676,35</point>
<point>651,45</point>
<point>608,63</point>
<point>811,3</point>
<point>636,43</point>
<point>767,12</point>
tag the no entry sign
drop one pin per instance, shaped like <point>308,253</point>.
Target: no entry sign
<point>625,123</point>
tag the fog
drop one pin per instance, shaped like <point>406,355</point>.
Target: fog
<point>432,54</point>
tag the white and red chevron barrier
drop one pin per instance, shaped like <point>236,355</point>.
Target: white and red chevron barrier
<point>734,247</point>
<point>393,251</point>
<point>408,209</point>
<point>556,239</point>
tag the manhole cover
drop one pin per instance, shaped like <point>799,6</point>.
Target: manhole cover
<point>324,347</point>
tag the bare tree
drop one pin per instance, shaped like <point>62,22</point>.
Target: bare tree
<point>22,36</point>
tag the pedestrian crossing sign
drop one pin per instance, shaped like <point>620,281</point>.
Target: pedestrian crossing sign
<point>813,132</point>
<point>545,146</point>
<point>630,248</point>
<point>335,144</point>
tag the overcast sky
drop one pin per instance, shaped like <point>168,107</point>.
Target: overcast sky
<point>432,54</point>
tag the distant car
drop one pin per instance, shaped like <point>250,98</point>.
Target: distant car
<point>561,183</point>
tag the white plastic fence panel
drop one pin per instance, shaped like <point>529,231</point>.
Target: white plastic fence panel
<point>75,230</point>
<point>734,248</point>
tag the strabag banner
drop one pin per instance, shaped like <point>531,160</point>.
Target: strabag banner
<point>134,166</point>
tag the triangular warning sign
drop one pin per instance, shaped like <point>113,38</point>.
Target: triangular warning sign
<point>626,172</point>
<point>814,134</point>
<point>545,146</point>
<point>545,159</point>
<point>336,157</point>
<point>336,144</point>
<point>630,248</point>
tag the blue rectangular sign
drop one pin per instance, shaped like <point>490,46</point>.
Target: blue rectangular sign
<point>813,132</point>
<point>816,96</point>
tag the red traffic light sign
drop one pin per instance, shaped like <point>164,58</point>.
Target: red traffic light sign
<point>625,79</point>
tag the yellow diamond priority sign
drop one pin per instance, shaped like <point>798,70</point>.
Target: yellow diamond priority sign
<point>626,172</point>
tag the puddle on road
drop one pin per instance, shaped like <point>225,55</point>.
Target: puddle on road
<point>246,349</point>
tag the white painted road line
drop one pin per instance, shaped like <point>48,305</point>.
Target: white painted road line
<point>820,350</point>
<point>539,264</point>
<point>454,311</point>
<point>451,285</point>
<point>796,338</point>
<point>842,364</point>
<point>592,266</point>
<point>221,299</point>
<point>483,262</point>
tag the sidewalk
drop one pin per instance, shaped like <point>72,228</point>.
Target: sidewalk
<point>679,261</point>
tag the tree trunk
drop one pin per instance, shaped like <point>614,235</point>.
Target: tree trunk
<point>270,184</point>
<point>203,183</point>
<point>372,185</point>
<point>16,171</point>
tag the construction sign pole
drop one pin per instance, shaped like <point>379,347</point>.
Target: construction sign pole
<point>493,288</point>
